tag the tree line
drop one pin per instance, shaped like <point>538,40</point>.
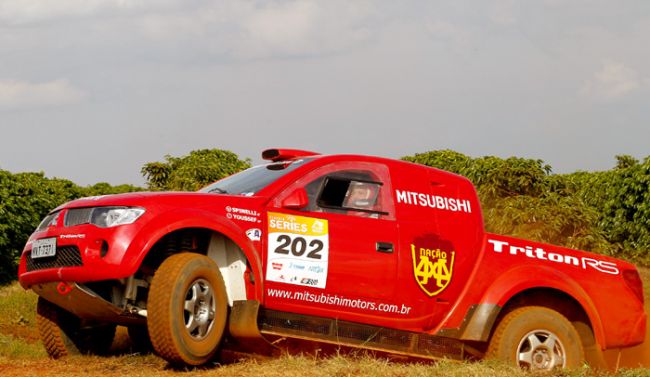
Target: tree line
<point>607,212</point>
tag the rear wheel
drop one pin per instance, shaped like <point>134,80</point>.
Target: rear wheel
<point>536,338</point>
<point>64,334</point>
<point>187,309</point>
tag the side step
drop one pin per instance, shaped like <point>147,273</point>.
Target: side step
<point>250,327</point>
<point>355,335</point>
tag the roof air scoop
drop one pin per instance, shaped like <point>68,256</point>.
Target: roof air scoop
<point>276,155</point>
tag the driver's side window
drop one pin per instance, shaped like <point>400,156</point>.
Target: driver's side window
<point>351,188</point>
<point>353,191</point>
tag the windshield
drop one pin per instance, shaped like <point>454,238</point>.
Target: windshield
<point>250,181</point>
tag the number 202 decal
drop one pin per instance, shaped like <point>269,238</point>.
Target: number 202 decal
<point>298,250</point>
<point>298,246</point>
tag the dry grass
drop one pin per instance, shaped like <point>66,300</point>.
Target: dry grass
<point>287,366</point>
<point>18,337</point>
<point>21,354</point>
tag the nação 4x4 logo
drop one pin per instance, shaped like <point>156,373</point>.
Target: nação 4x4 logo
<point>432,269</point>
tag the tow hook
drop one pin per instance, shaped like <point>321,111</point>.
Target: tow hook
<point>64,288</point>
<point>138,311</point>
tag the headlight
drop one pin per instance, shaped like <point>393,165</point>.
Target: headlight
<point>49,220</point>
<point>106,217</point>
<point>103,217</point>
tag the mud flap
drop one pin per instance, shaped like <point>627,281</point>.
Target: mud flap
<point>593,353</point>
<point>244,330</point>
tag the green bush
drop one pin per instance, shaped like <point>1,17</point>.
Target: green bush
<point>189,173</point>
<point>621,197</point>
<point>494,178</point>
<point>25,199</point>
<point>606,212</point>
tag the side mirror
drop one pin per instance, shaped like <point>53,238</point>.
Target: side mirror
<point>296,200</point>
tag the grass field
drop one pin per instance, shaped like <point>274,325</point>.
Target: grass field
<point>21,354</point>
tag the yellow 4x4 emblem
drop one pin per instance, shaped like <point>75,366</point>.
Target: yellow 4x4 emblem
<point>432,269</point>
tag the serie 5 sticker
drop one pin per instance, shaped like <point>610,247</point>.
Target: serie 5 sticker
<point>298,250</point>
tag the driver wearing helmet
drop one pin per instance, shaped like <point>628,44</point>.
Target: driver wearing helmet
<point>361,195</point>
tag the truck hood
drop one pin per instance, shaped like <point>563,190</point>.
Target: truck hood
<point>164,199</point>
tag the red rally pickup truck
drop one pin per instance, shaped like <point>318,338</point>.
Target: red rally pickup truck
<point>345,250</point>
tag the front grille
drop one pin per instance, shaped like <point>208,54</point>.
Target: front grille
<point>66,256</point>
<point>77,216</point>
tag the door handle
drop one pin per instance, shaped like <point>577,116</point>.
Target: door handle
<point>384,247</point>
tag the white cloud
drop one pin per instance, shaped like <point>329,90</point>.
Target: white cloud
<point>29,11</point>
<point>458,38</point>
<point>233,28</point>
<point>503,12</point>
<point>220,19</point>
<point>20,94</point>
<point>284,26</point>
<point>25,11</point>
<point>613,80</point>
<point>265,29</point>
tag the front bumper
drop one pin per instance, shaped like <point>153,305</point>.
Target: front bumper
<point>84,253</point>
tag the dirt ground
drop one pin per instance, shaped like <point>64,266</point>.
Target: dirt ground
<point>634,357</point>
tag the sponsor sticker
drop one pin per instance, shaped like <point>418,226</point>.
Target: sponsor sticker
<point>243,214</point>
<point>72,236</point>
<point>254,234</point>
<point>555,256</point>
<point>298,250</point>
<point>433,201</point>
<point>432,269</point>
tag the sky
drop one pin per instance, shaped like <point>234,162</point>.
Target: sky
<point>91,90</point>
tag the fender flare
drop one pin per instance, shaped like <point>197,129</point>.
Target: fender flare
<point>482,317</point>
<point>177,219</point>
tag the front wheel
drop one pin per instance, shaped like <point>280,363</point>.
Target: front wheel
<point>536,338</point>
<point>187,309</point>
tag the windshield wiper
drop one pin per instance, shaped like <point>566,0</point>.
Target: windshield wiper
<point>218,190</point>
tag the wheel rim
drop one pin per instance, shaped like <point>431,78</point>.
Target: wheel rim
<point>199,309</point>
<point>541,349</point>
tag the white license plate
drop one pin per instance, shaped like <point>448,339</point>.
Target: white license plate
<point>42,248</point>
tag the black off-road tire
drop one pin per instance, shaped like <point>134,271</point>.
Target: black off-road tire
<point>63,335</point>
<point>536,338</point>
<point>187,290</point>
